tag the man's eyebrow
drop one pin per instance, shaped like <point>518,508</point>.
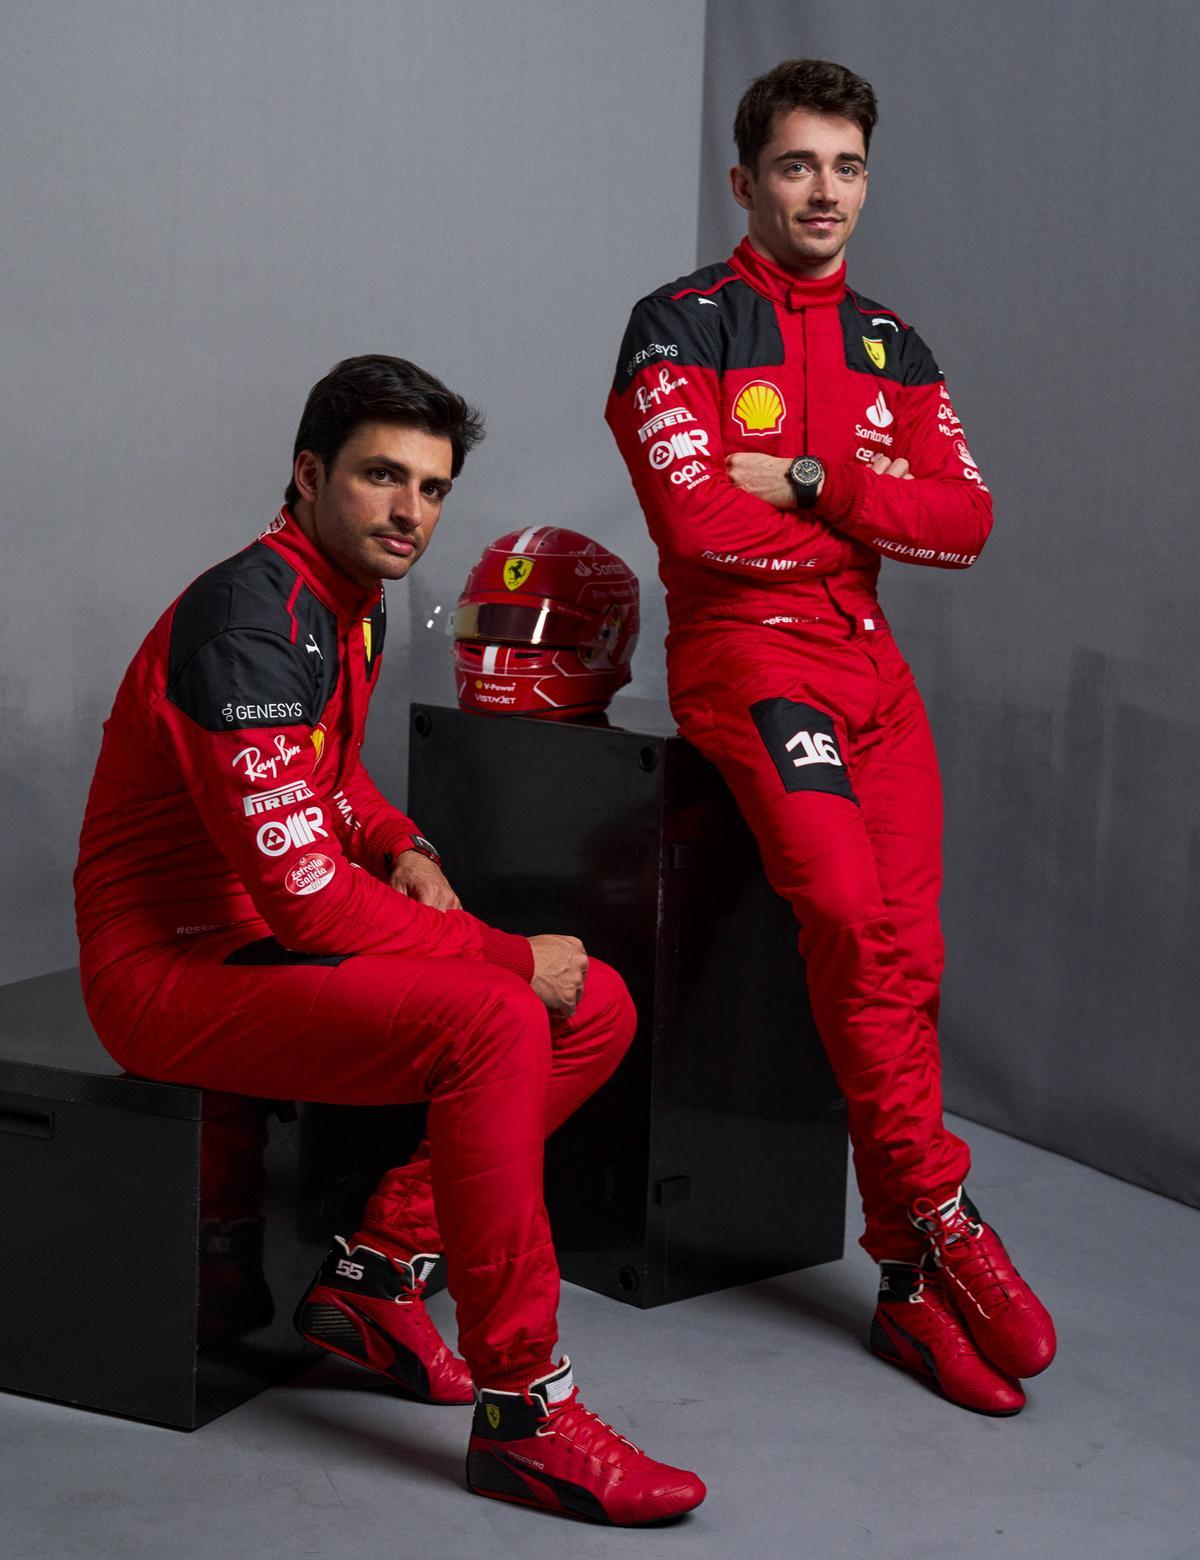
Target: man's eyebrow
<point>808,155</point>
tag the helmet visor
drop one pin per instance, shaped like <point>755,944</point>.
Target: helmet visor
<point>516,623</point>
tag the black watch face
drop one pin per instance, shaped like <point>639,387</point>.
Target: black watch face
<point>806,471</point>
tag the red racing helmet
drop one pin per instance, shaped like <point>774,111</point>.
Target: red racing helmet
<point>546,625</point>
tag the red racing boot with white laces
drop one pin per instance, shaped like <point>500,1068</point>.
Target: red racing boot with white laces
<point>916,1328</point>
<point>542,1448</point>
<point>367,1307</point>
<point>1006,1319</point>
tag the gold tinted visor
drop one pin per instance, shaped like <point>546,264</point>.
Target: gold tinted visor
<point>513,623</point>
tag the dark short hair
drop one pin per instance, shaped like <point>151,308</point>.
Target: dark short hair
<point>818,85</point>
<point>376,388</point>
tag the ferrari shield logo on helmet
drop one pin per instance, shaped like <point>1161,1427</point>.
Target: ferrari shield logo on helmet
<point>493,1416</point>
<point>875,351</point>
<point>517,571</point>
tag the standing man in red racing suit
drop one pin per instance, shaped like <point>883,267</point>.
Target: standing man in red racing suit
<point>783,433</point>
<point>255,918</point>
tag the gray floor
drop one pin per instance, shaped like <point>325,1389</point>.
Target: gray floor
<point>810,1447</point>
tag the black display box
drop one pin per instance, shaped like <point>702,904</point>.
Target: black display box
<point>717,1153</point>
<point>123,1289</point>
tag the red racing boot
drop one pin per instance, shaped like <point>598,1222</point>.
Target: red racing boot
<point>542,1448</point>
<point>367,1307</point>
<point>1006,1319</point>
<point>916,1328</point>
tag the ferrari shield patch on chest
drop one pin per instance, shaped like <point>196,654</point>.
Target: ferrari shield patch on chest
<point>517,571</point>
<point>875,351</point>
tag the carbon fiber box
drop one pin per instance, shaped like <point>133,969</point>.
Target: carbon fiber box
<point>133,1282</point>
<point>717,1153</point>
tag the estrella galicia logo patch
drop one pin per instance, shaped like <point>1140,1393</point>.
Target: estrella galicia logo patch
<point>517,571</point>
<point>803,744</point>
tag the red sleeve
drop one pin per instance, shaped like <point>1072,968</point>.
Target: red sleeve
<point>255,777</point>
<point>372,826</point>
<point>664,412</point>
<point>941,518</point>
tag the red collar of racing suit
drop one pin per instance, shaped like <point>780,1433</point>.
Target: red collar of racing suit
<point>327,582</point>
<point>785,287</point>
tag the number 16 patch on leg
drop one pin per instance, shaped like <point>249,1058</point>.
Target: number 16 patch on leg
<point>803,744</point>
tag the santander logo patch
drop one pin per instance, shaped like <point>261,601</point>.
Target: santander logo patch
<point>878,413</point>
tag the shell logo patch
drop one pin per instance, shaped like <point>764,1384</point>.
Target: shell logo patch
<point>759,408</point>
<point>317,737</point>
<point>493,1416</point>
<point>875,351</point>
<point>517,571</point>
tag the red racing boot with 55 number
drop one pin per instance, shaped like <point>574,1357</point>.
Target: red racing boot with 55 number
<point>916,1328</point>
<point>1006,1319</point>
<point>367,1307</point>
<point>541,1447</point>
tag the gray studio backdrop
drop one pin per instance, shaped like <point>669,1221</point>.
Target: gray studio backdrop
<point>1033,210</point>
<point>206,206</point>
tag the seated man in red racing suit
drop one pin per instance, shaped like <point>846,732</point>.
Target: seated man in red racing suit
<point>255,918</point>
<point>784,433</point>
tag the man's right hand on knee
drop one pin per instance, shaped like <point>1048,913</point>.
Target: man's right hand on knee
<point>559,968</point>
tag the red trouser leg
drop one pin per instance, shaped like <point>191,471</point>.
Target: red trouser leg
<point>895,776</point>
<point>862,876</point>
<point>472,1039</point>
<point>400,1217</point>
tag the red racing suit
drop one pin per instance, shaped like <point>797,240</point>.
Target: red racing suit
<point>238,933</point>
<point>781,666</point>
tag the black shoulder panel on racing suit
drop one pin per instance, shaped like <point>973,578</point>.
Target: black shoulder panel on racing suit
<point>917,361</point>
<point>251,646</point>
<point>873,337</point>
<point>879,342</point>
<point>711,319</point>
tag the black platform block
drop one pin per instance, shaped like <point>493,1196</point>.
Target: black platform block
<point>154,1240</point>
<point>717,1153</point>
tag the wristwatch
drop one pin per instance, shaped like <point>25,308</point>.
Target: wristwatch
<point>416,842</point>
<point>806,474</point>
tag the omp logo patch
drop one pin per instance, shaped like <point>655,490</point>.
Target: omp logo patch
<point>803,744</point>
<point>517,571</point>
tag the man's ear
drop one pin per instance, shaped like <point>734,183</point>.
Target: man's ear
<point>741,182</point>
<point>307,473</point>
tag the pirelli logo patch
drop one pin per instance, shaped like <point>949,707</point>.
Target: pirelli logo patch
<point>803,744</point>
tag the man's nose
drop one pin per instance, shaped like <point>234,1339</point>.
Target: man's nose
<point>406,503</point>
<point>824,189</point>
